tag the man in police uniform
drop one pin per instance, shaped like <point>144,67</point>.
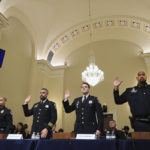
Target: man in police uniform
<point>138,99</point>
<point>86,108</point>
<point>5,117</point>
<point>44,114</point>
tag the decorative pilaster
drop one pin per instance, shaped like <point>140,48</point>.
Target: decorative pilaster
<point>146,57</point>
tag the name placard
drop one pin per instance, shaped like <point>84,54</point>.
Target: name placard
<point>86,136</point>
<point>111,137</point>
<point>15,136</point>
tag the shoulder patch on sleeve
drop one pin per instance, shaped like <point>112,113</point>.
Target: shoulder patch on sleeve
<point>10,112</point>
<point>55,105</point>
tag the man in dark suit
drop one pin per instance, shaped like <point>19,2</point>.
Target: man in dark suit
<point>5,117</point>
<point>113,131</point>
<point>138,98</point>
<point>44,114</point>
<point>86,107</point>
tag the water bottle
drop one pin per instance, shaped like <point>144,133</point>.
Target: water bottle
<point>113,135</point>
<point>96,136</point>
<point>38,136</point>
<point>33,136</point>
<point>107,135</point>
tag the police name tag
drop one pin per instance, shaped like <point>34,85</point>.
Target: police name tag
<point>86,136</point>
<point>15,136</point>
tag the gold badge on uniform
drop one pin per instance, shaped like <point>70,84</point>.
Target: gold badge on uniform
<point>2,111</point>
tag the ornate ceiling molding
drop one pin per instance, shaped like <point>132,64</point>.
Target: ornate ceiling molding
<point>45,66</point>
<point>101,23</point>
<point>3,21</point>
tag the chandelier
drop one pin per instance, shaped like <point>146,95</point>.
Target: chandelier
<point>92,74</point>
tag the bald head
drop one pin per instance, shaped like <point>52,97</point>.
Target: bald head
<point>141,78</point>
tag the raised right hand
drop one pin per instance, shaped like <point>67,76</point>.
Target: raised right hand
<point>27,100</point>
<point>67,94</point>
<point>117,83</point>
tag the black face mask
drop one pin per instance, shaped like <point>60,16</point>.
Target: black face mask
<point>142,83</point>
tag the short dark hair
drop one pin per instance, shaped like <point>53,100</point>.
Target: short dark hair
<point>60,130</point>
<point>45,90</point>
<point>86,84</point>
<point>25,126</point>
<point>22,129</point>
<point>112,120</point>
<point>126,128</point>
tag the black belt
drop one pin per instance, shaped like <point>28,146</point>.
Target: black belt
<point>142,119</point>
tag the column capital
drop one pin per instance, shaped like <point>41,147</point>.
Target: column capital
<point>45,66</point>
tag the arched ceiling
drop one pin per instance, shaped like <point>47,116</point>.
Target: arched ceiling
<point>49,20</point>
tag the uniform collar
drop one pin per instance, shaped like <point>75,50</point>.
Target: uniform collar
<point>2,107</point>
<point>43,101</point>
<point>87,95</point>
<point>142,86</point>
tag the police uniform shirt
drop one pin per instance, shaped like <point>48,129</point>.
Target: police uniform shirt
<point>44,115</point>
<point>84,97</point>
<point>138,98</point>
<point>5,120</point>
<point>86,111</point>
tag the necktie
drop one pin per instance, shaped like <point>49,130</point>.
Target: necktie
<point>84,98</point>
